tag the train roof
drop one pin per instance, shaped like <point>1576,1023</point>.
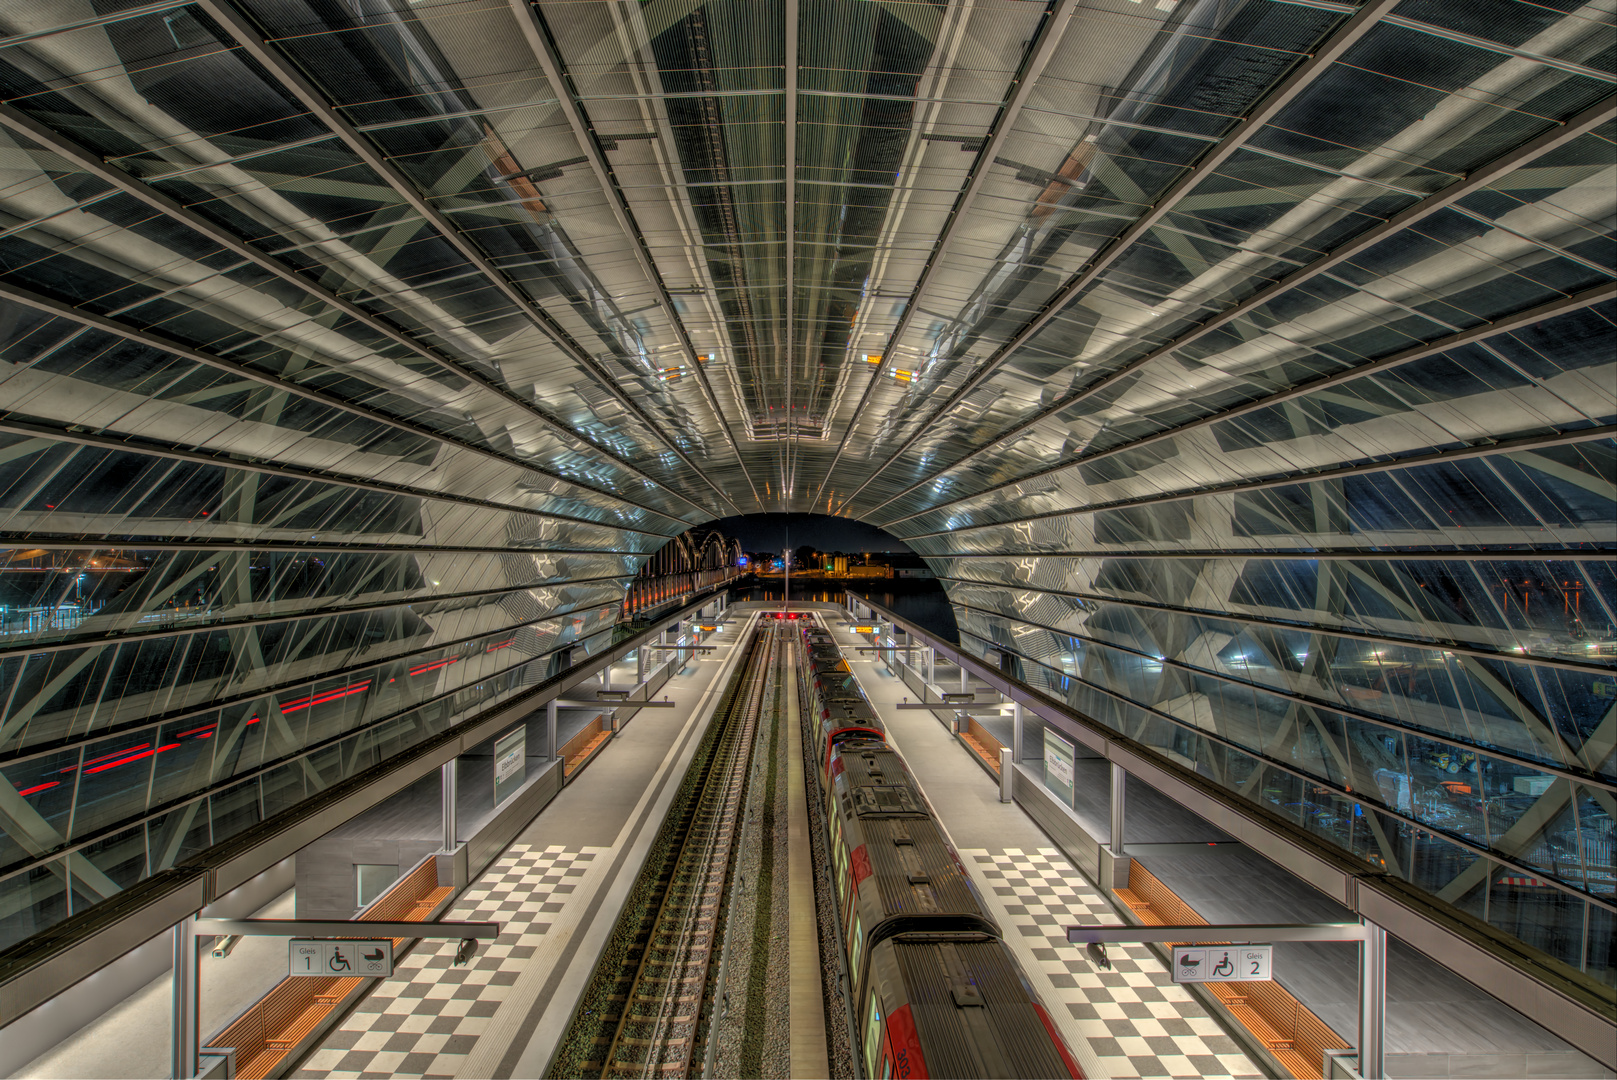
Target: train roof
<point>946,981</point>
<point>846,712</point>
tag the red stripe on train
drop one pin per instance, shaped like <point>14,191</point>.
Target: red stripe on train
<point>908,1061</point>
<point>861,865</point>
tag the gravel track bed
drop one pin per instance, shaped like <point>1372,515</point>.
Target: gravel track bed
<point>754,1038</point>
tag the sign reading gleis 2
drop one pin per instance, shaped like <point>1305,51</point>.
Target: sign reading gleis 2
<point>1223,963</point>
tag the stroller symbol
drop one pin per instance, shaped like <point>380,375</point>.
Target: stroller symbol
<point>371,956</point>
<point>1191,962</point>
<point>338,962</point>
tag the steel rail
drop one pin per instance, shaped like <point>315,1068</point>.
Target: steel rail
<point>1035,57</point>
<point>1346,34</point>
<point>1478,179</point>
<point>682,901</point>
<point>543,45</point>
<point>259,46</point>
<point>122,181</point>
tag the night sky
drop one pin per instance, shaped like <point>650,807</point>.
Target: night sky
<point>772,532</point>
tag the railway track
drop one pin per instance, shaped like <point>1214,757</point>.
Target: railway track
<point>646,1012</point>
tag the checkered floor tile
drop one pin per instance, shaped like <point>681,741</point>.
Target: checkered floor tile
<point>1136,1019</point>
<point>425,1019</point>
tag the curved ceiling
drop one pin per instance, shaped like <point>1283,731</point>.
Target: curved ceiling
<point>1244,367</point>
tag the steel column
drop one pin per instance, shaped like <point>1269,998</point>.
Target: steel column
<point>550,730</point>
<point>1119,792</point>
<point>449,790</point>
<point>1372,1002</point>
<point>183,1015</point>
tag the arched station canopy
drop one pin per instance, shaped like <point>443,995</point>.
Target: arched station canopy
<point>1244,369</point>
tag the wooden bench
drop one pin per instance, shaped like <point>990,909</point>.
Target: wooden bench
<point>976,747</point>
<point>1277,1021</point>
<point>296,1007</point>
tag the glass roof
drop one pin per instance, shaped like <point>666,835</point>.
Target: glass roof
<point>1214,352</point>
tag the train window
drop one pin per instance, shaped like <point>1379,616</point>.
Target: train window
<point>873,1032</point>
<point>854,941</point>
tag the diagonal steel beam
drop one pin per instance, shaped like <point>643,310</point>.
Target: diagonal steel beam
<point>116,327</point>
<point>232,545</point>
<point>80,158</point>
<point>1435,457</point>
<point>1433,643</point>
<point>129,445</point>
<point>1297,700</point>
<point>1556,554</point>
<point>119,635</point>
<point>543,45</point>
<point>1519,321</point>
<point>1339,41</point>
<point>1036,57</point>
<point>254,43</point>
<point>1493,171</point>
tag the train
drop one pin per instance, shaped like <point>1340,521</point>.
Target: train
<point>936,990</point>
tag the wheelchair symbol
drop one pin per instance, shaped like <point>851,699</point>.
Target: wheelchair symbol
<point>338,961</point>
<point>1224,967</point>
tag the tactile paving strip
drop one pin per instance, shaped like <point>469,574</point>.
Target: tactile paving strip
<point>1137,1020</point>
<point>424,1020</point>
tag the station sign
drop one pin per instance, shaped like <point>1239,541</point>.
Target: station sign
<point>312,956</point>
<point>1223,963</point>
<point>865,629</point>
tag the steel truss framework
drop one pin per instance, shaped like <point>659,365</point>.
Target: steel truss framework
<point>357,363</point>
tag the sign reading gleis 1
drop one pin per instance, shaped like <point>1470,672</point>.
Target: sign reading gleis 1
<point>311,956</point>
<point>1223,963</point>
